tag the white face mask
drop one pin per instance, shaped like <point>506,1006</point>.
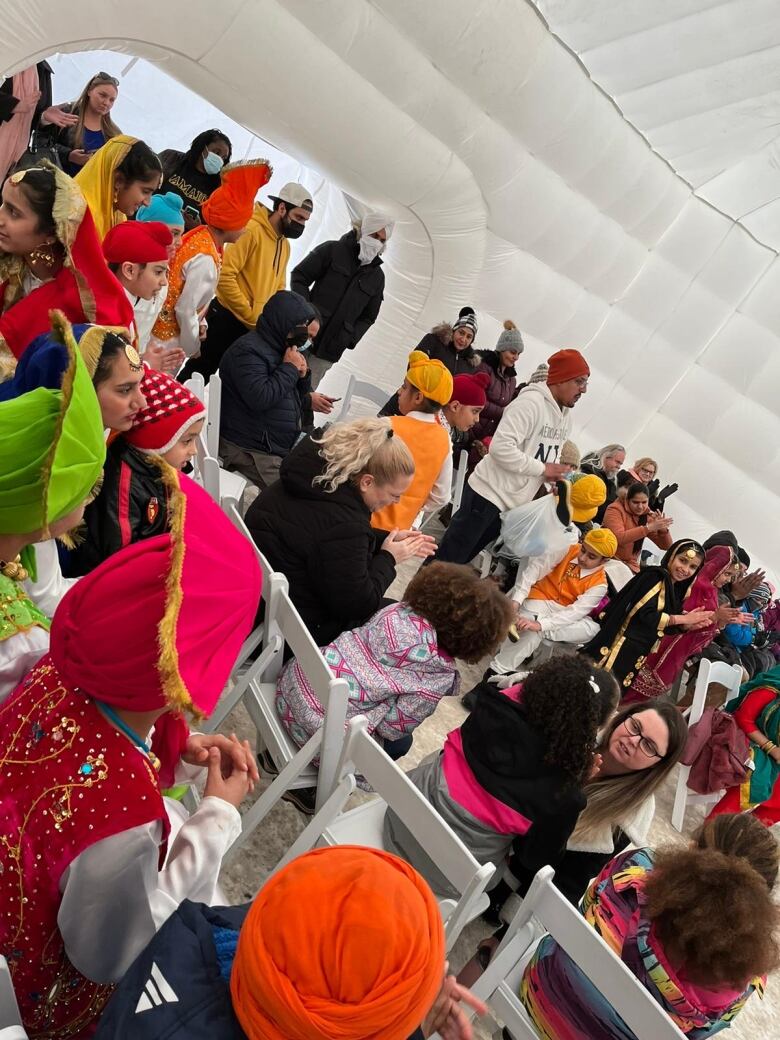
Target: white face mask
<point>370,247</point>
<point>212,163</point>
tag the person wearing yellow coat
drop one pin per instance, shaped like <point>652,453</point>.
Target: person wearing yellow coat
<point>119,178</point>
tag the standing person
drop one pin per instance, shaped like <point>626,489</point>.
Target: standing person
<point>265,387</point>
<point>345,282</point>
<point>165,209</point>
<point>181,326</point>
<point>426,388</point>
<point>137,255</point>
<point>634,621</point>
<point>756,710</point>
<point>453,344</point>
<point>194,174</point>
<point>75,145</point>
<point>631,521</point>
<point>51,259</point>
<point>499,364</point>
<point>605,465</point>
<point>82,813</point>
<point>463,410</point>
<point>118,180</point>
<point>253,270</point>
<point>524,453</point>
<point>314,525</point>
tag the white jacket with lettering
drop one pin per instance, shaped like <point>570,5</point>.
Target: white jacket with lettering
<point>530,434</point>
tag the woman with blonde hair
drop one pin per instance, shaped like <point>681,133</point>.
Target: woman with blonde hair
<point>76,144</point>
<point>314,523</point>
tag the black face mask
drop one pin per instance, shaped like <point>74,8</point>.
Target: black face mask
<point>297,337</point>
<point>292,228</point>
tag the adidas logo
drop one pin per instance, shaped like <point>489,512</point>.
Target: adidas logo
<point>156,991</point>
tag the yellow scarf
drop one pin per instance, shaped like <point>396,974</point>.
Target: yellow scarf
<point>96,181</point>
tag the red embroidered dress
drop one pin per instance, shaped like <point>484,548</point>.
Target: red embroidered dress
<point>69,779</point>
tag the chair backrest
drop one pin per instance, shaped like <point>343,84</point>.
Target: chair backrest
<point>728,675</point>
<point>499,985</point>
<point>206,469</point>
<point>213,411</point>
<point>365,391</point>
<point>197,385</point>
<point>362,754</point>
<point>460,480</point>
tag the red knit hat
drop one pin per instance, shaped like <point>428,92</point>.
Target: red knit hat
<point>170,411</point>
<point>470,390</point>
<point>134,242</point>
<point>566,365</point>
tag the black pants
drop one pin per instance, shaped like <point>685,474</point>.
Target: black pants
<point>475,525</point>
<point>224,329</point>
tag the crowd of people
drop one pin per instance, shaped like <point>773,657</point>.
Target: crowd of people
<point>127,595</point>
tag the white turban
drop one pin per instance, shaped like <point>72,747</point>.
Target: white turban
<point>369,247</point>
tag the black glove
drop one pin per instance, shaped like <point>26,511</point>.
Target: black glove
<point>660,500</point>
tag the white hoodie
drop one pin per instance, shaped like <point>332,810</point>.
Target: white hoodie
<point>531,433</point>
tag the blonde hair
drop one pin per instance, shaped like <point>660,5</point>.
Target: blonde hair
<point>351,449</point>
<point>107,124</point>
<point>646,461</point>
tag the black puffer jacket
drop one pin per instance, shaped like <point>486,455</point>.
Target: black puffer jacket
<point>459,362</point>
<point>262,396</point>
<point>347,293</point>
<point>325,545</point>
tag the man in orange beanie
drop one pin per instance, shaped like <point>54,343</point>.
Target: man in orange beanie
<point>368,963</point>
<point>196,267</point>
<point>524,453</point>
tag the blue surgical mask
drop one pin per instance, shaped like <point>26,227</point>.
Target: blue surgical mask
<point>212,163</point>
<point>306,346</point>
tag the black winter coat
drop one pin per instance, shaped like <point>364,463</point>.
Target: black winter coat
<point>347,294</point>
<point>262,396</point>
<point>324,543</point>
<point>459,362</point>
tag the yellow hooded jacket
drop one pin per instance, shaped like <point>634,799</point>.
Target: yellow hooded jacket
<point>254,268</point>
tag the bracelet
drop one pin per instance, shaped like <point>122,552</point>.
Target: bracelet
<point>768,746</point>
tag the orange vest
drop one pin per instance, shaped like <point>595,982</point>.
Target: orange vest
<point>429,444</point>
<point>565,584</point>
<point>197,241</point>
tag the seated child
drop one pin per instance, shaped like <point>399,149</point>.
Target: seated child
<point>138,254</point>
<point>556,598</point>
<point>165,209</point>
<point>273,968</point>
<point>133,501</point>
<point>512,775</point>
<point>181,325</point>
<point>402,661</point>
<point>426,388</point>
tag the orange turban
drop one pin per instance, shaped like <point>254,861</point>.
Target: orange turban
<point>230,206</point>
<point>344,943</point>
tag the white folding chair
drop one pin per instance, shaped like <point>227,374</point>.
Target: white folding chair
<point>730,676</point>
<point>458,481</point>
<point>9,1009</point>
<point>220,483</point>
<point>213,411</point>
<point>361,754</point>
<point>197,385</point>
<point>545,909</point>
<point>365,391</point>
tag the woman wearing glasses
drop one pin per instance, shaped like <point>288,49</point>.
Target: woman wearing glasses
<point>76,144</point>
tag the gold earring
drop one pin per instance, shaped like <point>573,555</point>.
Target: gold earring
<point>44,254</point>
<point>116,196</point>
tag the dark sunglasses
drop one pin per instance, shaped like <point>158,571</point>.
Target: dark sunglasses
<point>103,77</point>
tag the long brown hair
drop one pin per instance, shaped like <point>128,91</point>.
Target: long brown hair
<point>614,797</point>
<point>107,124</point>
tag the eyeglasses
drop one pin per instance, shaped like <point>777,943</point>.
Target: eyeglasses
<point>581,382</point>
<point>646,745</point>
<point>103,77</point>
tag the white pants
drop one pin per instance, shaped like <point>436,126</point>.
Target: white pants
<point>511,655</point>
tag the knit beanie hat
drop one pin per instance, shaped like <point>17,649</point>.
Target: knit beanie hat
<point>566,365</point>
<point>570,454</point>
<point>430,377</point>
<point>470,390</point>
<point>602,541</point>
<point>134,243</point>
<point>539,374</point>
<point>167,209</point>
<point>467,319</point>
<point>586,496</point>
<point>510,338</point>
<point>170,411</point>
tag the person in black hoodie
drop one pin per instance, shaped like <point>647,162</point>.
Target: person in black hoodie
<point>345,282</point>
<point>314,524</point>
<point>512,776</point>
<point>266,387</point>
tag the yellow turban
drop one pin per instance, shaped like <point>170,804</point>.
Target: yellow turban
<point>430,377</point>
<point>344,943</point>
<point>587,494</point>
<point>602,541</point>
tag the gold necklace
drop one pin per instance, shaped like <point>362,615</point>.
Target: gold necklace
<point>14,569</point>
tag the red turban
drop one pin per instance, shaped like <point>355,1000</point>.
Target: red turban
<point>344,943</point>
<point>138,243</point>
<point>566,365</point>
<point>230,206</point>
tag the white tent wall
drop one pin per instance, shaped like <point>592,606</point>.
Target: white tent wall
<point>521,189</point>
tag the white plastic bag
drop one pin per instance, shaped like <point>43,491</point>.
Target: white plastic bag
<point>534,529</point>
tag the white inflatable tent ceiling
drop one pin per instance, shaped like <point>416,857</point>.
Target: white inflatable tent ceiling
<point>604,172</point>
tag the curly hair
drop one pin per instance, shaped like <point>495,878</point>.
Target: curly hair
<point>351,449</point>
<point>714,916</point>
<point>741,834</point>
<point>470,614</point>
<point>568,700</point>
